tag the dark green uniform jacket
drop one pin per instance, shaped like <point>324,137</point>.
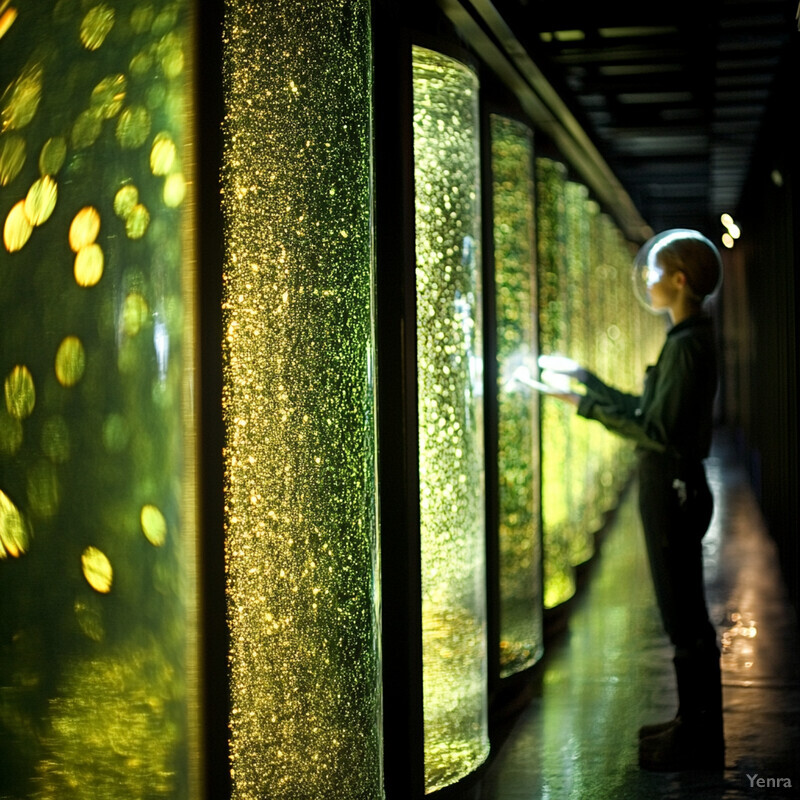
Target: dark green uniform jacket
<point>674,414</point>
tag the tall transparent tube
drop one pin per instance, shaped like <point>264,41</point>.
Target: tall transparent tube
<point>449,377</point>
<point>298,401</point>
<point>518,405</point>
<point>98,684</point>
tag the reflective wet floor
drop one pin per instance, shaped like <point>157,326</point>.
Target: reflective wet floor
<point>611,671</point>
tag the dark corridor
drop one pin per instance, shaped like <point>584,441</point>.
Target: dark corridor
<point>610,672</point>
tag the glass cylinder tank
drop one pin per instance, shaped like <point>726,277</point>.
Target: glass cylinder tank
<point>298,402</point>
<point>97,524</point>
<point>518,406</point>
<point>556,416</point>
<point>577,303</point>
<point>449,377</point>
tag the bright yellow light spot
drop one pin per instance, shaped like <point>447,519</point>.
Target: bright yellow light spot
<point>96,25</point>
<point>21,99</point>
<point>51,159</point>
<point>137,221</point>
<point>735,231</point>
<point>12,158</point>
<point>97,570</point>
<point>154,525</point>
<point>134,314</point>
<point>162,154</point>
<point>726,220</point>
<point>84,228</point>
<point>174,190</point>
<point>70,361</point>
<point>108,95</point>
<point>87,128</point>
<point>727,240</point>
<point>41,200</point>
<point>7,20</point>
<point>133,127</point>
<point>13,530</point>
<point>89,263</point>
<point>20,392</point>
<point>125,200</point>
<point>17,229</point>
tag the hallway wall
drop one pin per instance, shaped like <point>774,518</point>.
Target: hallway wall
<point>761,319</point>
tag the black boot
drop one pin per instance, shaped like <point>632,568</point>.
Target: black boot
<point>694,739</point>
<point>695,743</point>
<point>658,727</point>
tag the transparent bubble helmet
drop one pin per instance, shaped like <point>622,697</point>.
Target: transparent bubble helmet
<point>647,270</point>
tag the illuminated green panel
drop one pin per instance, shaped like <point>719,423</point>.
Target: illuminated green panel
<point>298,402</point>
<point>449,375</point>
<point>556,417</point>
<point>577,302</point>
<point>97,666</point>
<point>600,469</point>
<point>518,411</point>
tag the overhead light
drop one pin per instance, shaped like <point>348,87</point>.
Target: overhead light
<point>570,36</point>
<point>732,232</point>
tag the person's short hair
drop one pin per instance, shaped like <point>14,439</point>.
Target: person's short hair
<point>696,258</point>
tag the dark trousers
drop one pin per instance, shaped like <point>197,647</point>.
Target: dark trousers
<point>675,504</point>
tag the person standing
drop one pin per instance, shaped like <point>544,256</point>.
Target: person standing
<point>671,425</point>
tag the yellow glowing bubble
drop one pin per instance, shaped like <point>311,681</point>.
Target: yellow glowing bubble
<point>134,314</point>
<point>140,64</point>
<point>174,190</point>
<point>109,94</point>
<point>84,228</point>
<point>97,570</point>
<point>133,127</point>
<point>17,229</point>
<point>13,530</point>
<point>20,392</point>
<point>171,54</point>
<point>96,25</point>
<point>70,361</point>
<point>21,99</point>
<point>7,19</point>
<point>41,200</point>
<point>10,433</point>
<point>156,94</point>
<point>154,525</point>
<point>55,439</point>
<point>89,263</point>
<point>12,158</point>
<point>125,200</point>
<point>87,128</point>
<point>142,18</point>
<point>137,221</point>
<point>162,154</point>
<point>51,159</point>
<point>166,20</point>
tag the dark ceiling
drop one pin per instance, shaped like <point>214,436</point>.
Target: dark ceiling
<point>672,94</point>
